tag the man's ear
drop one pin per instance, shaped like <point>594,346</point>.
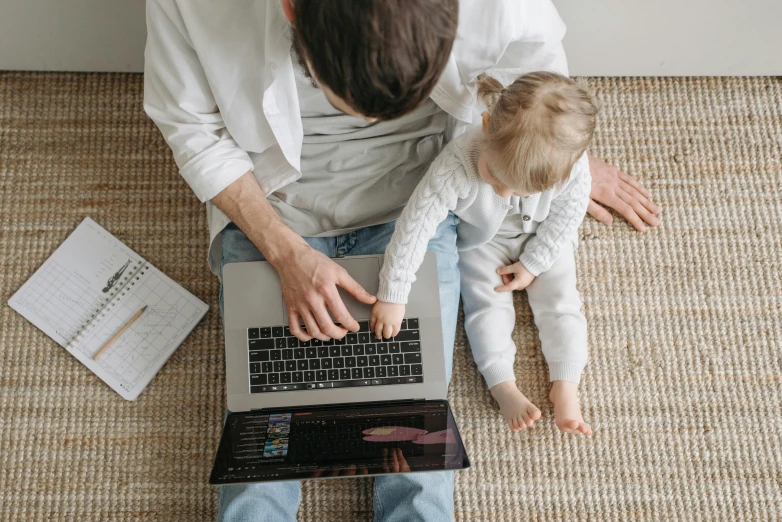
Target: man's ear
<point>287,8</point>
<point>485,124</point>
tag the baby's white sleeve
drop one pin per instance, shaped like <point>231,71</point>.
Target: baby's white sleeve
<point>445,183</point>
<point>561,225</point>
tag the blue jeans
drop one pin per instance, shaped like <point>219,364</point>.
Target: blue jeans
<point>398,498</point>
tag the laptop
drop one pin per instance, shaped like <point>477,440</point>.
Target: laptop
<point>353,406</point>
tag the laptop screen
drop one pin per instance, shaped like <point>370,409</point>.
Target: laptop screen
<point>343,441</point>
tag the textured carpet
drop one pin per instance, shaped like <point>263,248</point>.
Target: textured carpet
<point>683,388</point>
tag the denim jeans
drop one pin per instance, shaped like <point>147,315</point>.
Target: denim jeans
<point>403,497</point>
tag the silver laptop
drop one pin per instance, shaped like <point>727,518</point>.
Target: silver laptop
<point>359,368</point>
<point>384,395</point>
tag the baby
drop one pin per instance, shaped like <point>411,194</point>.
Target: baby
<point>520,186</point>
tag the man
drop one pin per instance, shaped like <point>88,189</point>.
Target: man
<point>306,124</point>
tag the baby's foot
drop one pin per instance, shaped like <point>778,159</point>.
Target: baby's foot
<point>515,407</point>
<point>567,410</point>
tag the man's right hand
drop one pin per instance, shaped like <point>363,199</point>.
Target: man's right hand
<point>308,278</point>
<point>309,282</point>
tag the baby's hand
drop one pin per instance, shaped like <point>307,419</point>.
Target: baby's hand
<point>514,277</point>
<point>386,319</point>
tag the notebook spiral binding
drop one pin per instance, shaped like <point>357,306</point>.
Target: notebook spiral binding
<point>137,269</point>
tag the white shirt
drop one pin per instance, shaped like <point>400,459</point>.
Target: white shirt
<point>219,83</point>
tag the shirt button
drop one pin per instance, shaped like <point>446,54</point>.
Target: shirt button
<point>273,66</point>
<point>526,218</point>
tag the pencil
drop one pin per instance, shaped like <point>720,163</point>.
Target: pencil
<point>121,331</point>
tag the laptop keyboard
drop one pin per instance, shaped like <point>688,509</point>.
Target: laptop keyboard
<point>280,362</point>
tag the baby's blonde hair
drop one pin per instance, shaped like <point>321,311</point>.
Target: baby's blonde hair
<point>538,127</point>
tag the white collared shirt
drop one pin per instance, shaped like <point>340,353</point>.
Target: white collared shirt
<point>219,83</point>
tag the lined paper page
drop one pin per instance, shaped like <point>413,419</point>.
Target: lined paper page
<point>76,282</point>
<point>132,361</point>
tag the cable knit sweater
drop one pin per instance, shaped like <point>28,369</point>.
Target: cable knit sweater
<point>452,183</point>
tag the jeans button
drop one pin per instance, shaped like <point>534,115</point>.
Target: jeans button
<point>526,218</point>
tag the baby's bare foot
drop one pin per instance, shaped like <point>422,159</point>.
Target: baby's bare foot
<point>567,410</point>
<point>515,407</point>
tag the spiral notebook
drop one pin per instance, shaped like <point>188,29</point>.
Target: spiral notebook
<point>89,289</point>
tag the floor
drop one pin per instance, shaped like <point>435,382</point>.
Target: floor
<point>683,388</point>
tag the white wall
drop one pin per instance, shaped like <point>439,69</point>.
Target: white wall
<point>673,37</point>
<point>605,37</point>
<point>72,35</point>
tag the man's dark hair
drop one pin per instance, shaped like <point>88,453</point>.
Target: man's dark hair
<point>382,57</point>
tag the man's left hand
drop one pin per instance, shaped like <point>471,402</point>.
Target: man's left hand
<point>615,189</point>
<point>394,461</point>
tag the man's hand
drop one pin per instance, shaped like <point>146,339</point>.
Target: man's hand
<point>308,278</point>
<point>386,319</point>
<point>514,277</point>
<point>394,461</point>
<point>309,283</point>
<point>615,189</point>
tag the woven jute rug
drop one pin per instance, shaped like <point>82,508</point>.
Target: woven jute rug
<point>683,387</point>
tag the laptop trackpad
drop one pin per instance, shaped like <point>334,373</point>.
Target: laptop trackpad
<point>366,272</point>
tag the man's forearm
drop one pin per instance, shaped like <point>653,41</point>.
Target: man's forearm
<point>245,204</point>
